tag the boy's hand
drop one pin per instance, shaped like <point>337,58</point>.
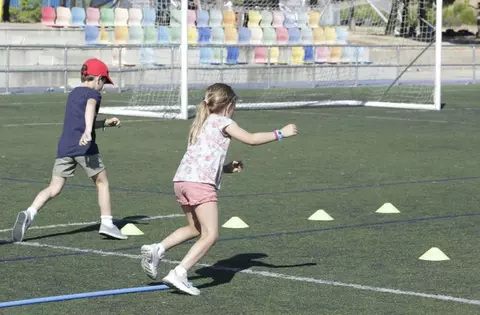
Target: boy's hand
<point>86,138</point>
<point>233,167</point>
<point>289,130</point>
<point>113,122</point>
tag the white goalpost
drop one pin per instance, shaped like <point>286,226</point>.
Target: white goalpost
<point>288,54</point>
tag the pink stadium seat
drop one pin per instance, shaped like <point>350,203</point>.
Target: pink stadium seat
<point>64,17</point>
<point>93,17</point>
<point>48,16</point>
<point>135,16</point>
<point>278,19</point>
<point>191,17</point>
<point>282,35</point>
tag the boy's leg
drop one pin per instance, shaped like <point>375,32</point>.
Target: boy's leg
<point>152,254</point>
<point>207,215</point>
<point>94,168</point>
<point>62,169</point>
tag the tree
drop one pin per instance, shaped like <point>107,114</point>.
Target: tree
<point>6,11</point>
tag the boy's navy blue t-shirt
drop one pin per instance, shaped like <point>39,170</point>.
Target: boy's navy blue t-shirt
<point>74,123</point>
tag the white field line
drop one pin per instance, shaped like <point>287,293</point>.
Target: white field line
<point>61,123</point>
<point>54,226</point>
<point>268,274</point>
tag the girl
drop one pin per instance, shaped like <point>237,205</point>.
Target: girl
<point>198,178</point>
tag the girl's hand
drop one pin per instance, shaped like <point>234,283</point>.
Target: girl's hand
<point>113,122</point>
<point>289,130</point>
<point>233,167</point>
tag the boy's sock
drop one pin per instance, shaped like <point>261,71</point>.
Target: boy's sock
<point>182,272</point>
<point>161,249</point>
<point>32,212</point>
<point>106,220</point>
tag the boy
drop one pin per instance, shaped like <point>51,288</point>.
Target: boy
<point>77,146</point>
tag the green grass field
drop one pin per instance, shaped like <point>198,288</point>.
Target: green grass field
<point>347,161</point>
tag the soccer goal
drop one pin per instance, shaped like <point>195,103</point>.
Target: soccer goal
<point>288,54</point>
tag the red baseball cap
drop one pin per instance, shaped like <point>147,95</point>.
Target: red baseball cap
<point>96,67</point>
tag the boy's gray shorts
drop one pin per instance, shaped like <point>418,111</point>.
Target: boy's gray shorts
<point>65,166</point>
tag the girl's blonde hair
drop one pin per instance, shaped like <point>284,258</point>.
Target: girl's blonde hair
<point>217,98</point>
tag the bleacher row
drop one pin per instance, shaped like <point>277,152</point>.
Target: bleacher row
<point>137,26</point>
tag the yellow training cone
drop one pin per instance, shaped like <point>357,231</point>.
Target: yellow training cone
<point>235,223</point>
<point>387,208</point>
<point>131,229</point>
<point>320,215</point>
<point>434,254</point>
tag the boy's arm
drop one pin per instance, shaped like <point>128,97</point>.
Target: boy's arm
<point>90,115</point>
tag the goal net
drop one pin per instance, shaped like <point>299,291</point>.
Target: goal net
<point>288,53</point>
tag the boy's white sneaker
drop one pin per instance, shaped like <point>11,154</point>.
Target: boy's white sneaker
<point>21,225</point>
<point>112,231</point>
<point>150,260</point>
<point>181,283</point>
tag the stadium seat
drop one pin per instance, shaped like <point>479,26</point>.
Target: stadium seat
<point>202,18</point>
<point>48,16</point>
<point>148,17</point>
<point>294,35</point>
<point>313,19</point>
<point>318,35</point>
<point>306,36</point>
<point>107,17</point>
<point>206,55</point>
<point>244,35</point>
<point>192,35</point>
<point>78,17</point>
<point>231,35</point>
<point>341,34</point>
<point>215,18</point>
<point>256,37</point>
<point>175,18</point>
<point>232,55</point>
<point>278,19</point>
<point>297,56</point>
<point>163,35</point>
<point>282,35</point>
<point>322,54</point>
<point>93,17</point>
<point>267,19</point>
<point>64,17</point>
<point>121,35</point>
<point>229,19</point>
<point>364,55</point>
<point>204,35</point>
<point>348,55</point>
<point>121,17</point>
<point>260,55</point>
<point>218,35</point>
<point>219,55</point>
<point>254,18</point>
<point>290,20</point>
<point>175,35</point>
<point>308,54</point>
<point>191,17</point>
<point>91,35</point>
<point>330,35</point>
<point>104,40</point>
<point>149,35</point>
<point>135,16</point>
<point>136,35</point>
<point>302,19</point>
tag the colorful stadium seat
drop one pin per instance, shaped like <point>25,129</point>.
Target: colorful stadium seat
<point>191,17</point>
<point>206,55</point>
<point>256,37</point>
<point>218,35</point>
<point>290,20</point>
<point>163,35</point>
<point>202,18</point>
<point>48,16</point>
<point>121,17</point>
<point>294,35</point>
<point>136,35</point>
<point>93,17</point>
<point>107,17</point>
<point>297,56</point>
<point>148,17</point>
<point>175,35</point>
<point>204,35</point>
<point>231,35</point>
<point>175,18</point>
<point>215,18</point>
<point>269,36</point>
<point>254,18</point>
<point>150,35</point>
<point>64,17</point>
<point>91,35</point>
<point>313,19</point>
<point>341,34</point>
<point>278,19</point>
<point>121,35</point>
<point>282,35</point>
<point>322,54</point>
<point>318,35</point>
<point>267,19</point>
<point>302,19</point>
<point>306,36</point>
<point>229,19</point>
<point>78,17</point>
<point>244,35</point>
<point>135,16</point>
<point>232,55</point>
<point>192,37</point>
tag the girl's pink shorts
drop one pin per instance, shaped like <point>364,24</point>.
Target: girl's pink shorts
<point>194,194</point>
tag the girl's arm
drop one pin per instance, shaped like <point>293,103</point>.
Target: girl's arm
<point>235,131</point>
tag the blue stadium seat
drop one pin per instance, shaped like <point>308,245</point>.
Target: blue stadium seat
<point>91,35</point>
<point>148,17</point>
<point>232,55</point>
<point>206,55</point>
<point>204,35</point>
<point>78,17</point>
<point>163,35</point>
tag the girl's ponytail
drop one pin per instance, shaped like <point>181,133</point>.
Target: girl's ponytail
<point>202,115</point>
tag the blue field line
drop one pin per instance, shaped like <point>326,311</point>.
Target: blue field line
<point>276,234</point>
<point>273,193</point>
<point>85,295</point>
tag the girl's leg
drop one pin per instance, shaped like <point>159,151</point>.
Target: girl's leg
<point>103,189</point>
<point>207,215</point>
